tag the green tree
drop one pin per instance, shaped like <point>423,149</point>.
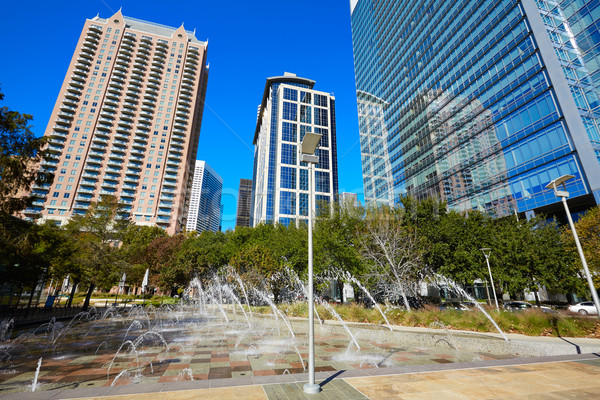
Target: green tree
<point>20,154</point>
<point>99,233</point>
<point>135,243</point>
<point>256,265</point>
<point>588,230</point>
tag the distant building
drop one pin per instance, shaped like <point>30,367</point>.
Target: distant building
<point>126,123</point>
<point>348,199</point>
<point>290,108</point>
<point>204,213</point>
<point>244,203</point>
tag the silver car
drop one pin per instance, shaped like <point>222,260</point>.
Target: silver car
<point>584,308</point>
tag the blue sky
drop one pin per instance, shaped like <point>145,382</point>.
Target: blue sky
<point>247,42</point>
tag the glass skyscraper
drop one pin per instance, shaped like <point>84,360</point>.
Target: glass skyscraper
<point>205,209</point>
<point>478,103</point>
<point>290,108</point>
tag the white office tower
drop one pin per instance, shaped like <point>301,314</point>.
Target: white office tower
<point>205,203</point>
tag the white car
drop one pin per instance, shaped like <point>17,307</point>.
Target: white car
<point>584,308</point>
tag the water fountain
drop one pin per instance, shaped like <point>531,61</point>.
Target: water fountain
<point>206,336</point>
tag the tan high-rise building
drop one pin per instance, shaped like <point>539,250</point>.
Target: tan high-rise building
<point>127,122</point>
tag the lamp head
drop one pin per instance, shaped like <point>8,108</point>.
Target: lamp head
<point>486,251</point>
<point>554,185</point>
<point>310,142</point>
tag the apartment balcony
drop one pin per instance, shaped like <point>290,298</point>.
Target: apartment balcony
<point>178,136</point>
<point>109,185</point>
<point>90,175</point>
<point>141,134</point>
<point>115,89</point>
<point>135,166</point>
<point>85,54</point>
<point>66,115</point>
<point>131,179</point>
<point>59,134</point>
<point>69,104</point>
<point>99,140</point>
<point>181,114</point>
<point>155,72</point>
<point>171,169</point>
<point>116,82</point>
<point>163,213</point>
<point>130,187</point>
<point>185,94</point>
<point>140,63</point>
<point>121,66</point>
<point>127,194</point>
<point>106,121</point>
<point>109,109</point>
<point>160,56</point>
<point>86,190</point>
<point>152,91</point>
<point>143,126</point>
<point>130,105</point>
<point>119,76</point>
<point>82,67</point>
<point>94,160</point>
<point>139,142</point>
<point>179,130</point>
<point>117,152</point>
<point>111,101</point>
<point>109,192</point>
<point>177,145</point>
<point>87,199</point>
<point>111,95</point>
<point>128,39</point>
<point>126,45</point>
<point>122,135</point>
<point>63,121</point>
<point>79,76</point>
<point>145,45</point>
<point>107,115</point>
<point>139,70</point>
<point>92,38</point>
<point>170,184</point>
<point>156,68</point>
<point>114,162</point>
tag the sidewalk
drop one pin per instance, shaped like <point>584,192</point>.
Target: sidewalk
<point>554,377</point>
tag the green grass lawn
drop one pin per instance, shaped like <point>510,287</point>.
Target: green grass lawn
<point>530,322</point>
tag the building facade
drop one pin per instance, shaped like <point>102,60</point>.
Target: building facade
<point>291,107</point>
<point>126,123</point>
<point>478,103</point>
<point>244,203</point>
<point>348,199</point>
<point>204,213</point>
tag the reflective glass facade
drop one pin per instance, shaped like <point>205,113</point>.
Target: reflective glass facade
<point>470,102</point>
<point>290,108</point>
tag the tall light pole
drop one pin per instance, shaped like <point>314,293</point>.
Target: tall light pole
<point>563,194</point>
<point>307,155</point>
<point>486,252</point>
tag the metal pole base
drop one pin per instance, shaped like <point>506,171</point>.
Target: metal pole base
<point>312,388</point>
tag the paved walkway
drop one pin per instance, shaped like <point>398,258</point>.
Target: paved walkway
<point>555,377</point>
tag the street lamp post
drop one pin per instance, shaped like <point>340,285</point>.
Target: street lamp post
<point>486,252</point>
<point>307,155</point>
<point>563,194</point>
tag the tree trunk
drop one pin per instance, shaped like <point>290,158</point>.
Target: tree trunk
<point>404,298</point>
<point>70,301</point>
<point>30,298</point>
<point>86,303</point>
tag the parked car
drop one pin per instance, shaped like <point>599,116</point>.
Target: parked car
<point>584,308</point>
<point>523,305</point>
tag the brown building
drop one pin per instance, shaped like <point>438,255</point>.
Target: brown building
<point>126,123</point>
<point>244,203</point>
